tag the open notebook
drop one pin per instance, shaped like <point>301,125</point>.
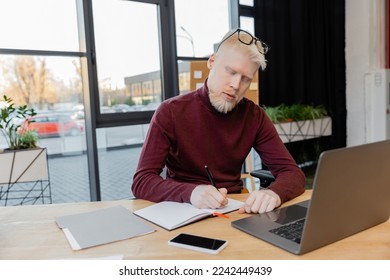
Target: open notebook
<point>171,215</point>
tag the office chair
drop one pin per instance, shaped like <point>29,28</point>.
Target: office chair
<point>265,176</point>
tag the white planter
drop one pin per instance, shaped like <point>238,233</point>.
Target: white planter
<point>24,176</point>
<point>303,130</point>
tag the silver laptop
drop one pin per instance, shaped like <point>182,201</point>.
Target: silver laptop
<point>351,193</point>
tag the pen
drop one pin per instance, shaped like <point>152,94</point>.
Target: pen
<point>215,186</point>
<point>210,176</point>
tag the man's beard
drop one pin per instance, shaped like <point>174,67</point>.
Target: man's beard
<point>220,104</point>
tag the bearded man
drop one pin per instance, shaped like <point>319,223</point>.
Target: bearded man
<point>217,126</point>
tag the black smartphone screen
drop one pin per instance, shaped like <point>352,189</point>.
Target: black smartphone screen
<point>198,241</point>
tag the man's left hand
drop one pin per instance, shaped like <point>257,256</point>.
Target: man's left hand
<point>261,201</point>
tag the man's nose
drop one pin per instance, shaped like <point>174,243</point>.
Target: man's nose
<point>235,81</point>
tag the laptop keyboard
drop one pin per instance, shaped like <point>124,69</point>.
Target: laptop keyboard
<point>292,231</point>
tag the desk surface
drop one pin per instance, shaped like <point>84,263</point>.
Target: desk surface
<point>30,232</point>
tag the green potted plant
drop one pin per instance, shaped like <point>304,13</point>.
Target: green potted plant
<point>299,121</point>
<point>296,112</point>
<point>14,123</point>
<point>28,138</point>
<point>23,161</point>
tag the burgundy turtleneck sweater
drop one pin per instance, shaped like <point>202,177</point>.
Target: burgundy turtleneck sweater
<point>186,133</point>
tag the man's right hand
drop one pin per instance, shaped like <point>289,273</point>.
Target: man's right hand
<point>207,196</point>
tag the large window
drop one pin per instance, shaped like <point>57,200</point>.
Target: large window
<point>200,25</point>
<point>129,76</point>
<point>39,24</point>
<point>41,66</point>
<point>127,55</point>
<point>197,39</point>
<point>101,67</point>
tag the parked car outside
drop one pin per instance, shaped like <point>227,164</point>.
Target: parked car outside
<point>55,125</point>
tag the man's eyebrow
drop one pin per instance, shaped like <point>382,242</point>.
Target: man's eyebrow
<point>230,69</point>
<point>235,71</point>
<point>248,78</point>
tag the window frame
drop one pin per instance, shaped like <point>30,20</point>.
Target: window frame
<point>94,119</point>
<point>169,70</point>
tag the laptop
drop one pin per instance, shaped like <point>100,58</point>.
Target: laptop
<point>351,193</point>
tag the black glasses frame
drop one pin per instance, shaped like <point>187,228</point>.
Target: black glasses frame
<point>256,40</point>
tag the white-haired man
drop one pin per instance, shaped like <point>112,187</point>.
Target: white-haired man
<point>217,126</point>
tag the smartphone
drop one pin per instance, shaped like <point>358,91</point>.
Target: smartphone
<point>198,243</point>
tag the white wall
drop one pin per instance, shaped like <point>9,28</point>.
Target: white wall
<point>364,53</point>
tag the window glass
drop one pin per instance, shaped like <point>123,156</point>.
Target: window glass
<point>248,24</point>
<point>200,25</point>
<point>128,55</point>
<point>52,85</point>
<point>119,149</point>
<point>246,2</point>
<point>49,83</point>
<point>39,24</point>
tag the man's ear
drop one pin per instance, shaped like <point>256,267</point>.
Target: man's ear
<point>210,61</point>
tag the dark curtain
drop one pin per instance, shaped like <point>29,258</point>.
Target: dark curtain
<point>306,63</point>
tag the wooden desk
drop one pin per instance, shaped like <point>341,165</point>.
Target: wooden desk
<point>30,232</point>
